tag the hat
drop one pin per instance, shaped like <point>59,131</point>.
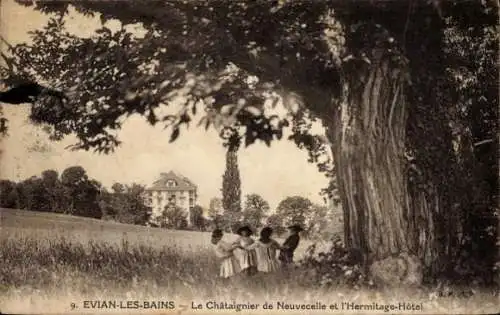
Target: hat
<point>217,233</point>
<point>295,227</point>
<point>267,231</point>
<point>244,228</point>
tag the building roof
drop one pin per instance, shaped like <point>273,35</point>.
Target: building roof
<point>181,183</point>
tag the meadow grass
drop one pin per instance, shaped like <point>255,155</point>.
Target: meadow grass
<point>65,272</point>
<point>42,266</point>
<point>32,267</point>
<point>45,254</point>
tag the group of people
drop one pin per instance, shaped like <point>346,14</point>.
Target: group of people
<point>249,256</point>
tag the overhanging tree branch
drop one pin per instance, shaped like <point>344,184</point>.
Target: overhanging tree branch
<point>28,93</point>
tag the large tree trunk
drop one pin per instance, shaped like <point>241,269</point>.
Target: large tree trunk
<point>368,130</point>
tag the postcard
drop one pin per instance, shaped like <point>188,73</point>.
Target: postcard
<point>262,157</point>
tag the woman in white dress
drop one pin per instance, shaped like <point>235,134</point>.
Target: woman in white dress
<point>229,265</point>
<point>266,249</point>
<point>247,258</point>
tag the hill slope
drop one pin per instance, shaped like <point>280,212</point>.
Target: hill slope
<point>50,226</point>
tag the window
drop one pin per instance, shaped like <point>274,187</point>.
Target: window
<point>172,198</point>
<point>149,198</point>
<point>171,183</point>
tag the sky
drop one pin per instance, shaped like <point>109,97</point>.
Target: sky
<point>274,173</point>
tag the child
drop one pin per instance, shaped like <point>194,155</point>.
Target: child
<point>229,264</point>
<point>290,244</point>
<point>248,259</point>
<point>265,249</point>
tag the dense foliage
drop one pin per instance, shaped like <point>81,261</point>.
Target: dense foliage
<point>72,193</point>
<point>173,217</point>
<point>125,204</point>
<point>196,218</point>
<point>215,213</point>
<point>255,210</point>
<point>320,222</point>
<point>294,209</point>
<point>337,267</point>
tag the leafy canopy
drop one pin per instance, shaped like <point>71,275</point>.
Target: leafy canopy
<point>223,58</point>
<point>256,208</point>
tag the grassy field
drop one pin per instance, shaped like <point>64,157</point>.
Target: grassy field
<point>49,261</point>
<point>18,224</point>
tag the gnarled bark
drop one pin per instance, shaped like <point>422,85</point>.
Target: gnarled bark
<point>368,129</point>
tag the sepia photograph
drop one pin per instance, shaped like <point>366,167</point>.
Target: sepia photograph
<point>253,156</point>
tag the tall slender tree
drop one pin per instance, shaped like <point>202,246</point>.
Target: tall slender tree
<point>231,187</point>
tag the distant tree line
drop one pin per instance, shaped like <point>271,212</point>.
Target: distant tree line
<point>125,204</point>
<point>174,217</point>
<point>317,220</point>
<point>74,192</point>
<point>228,213</point>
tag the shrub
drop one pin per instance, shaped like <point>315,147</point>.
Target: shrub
<point>336,267</point>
